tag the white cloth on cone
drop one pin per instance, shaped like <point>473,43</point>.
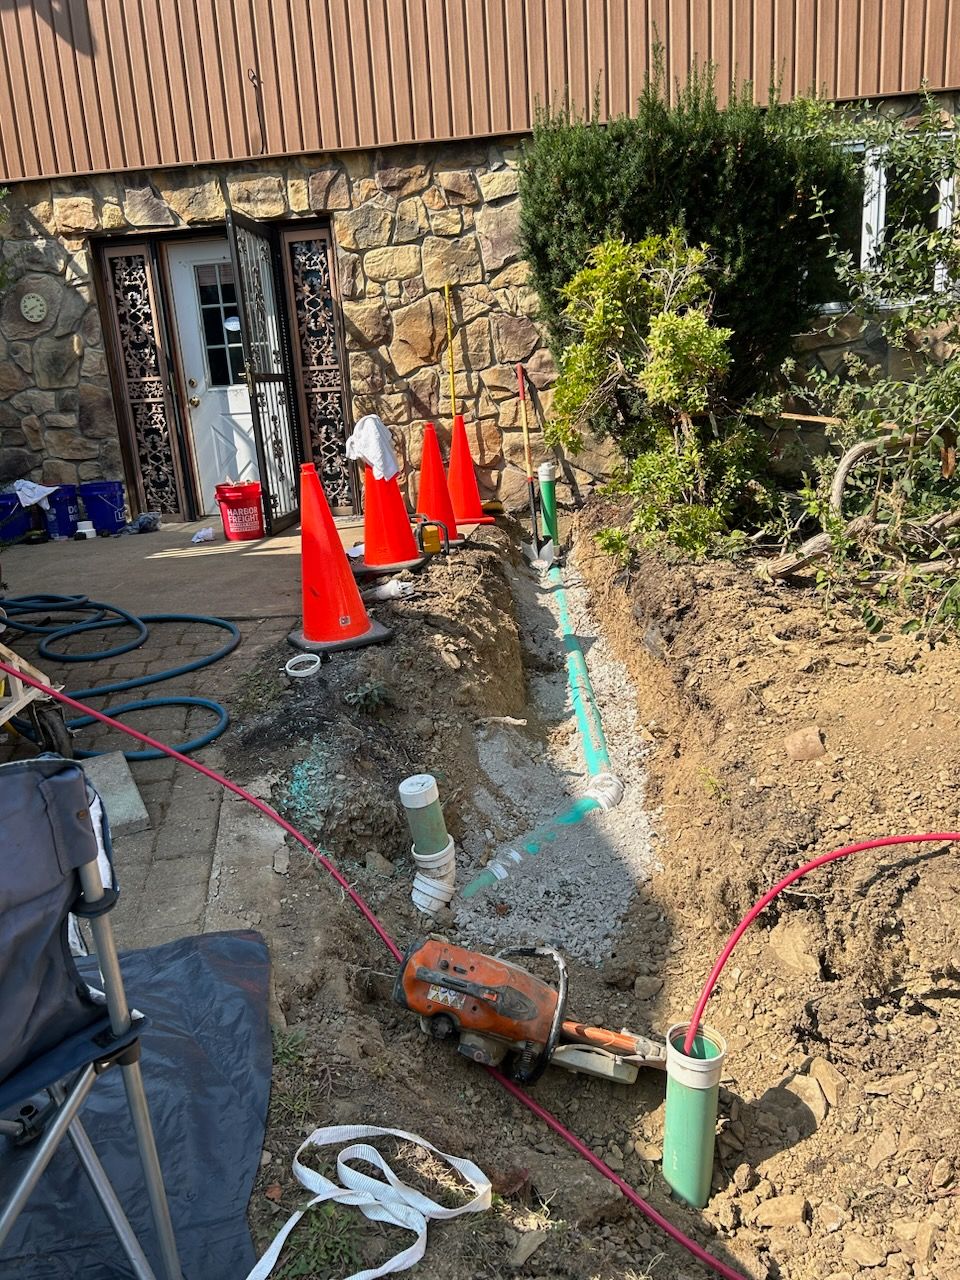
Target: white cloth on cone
<point>371,443</point>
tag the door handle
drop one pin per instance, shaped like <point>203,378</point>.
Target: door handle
<point>194,402</point>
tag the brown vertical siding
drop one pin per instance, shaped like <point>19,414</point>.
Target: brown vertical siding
<point>100,85</point>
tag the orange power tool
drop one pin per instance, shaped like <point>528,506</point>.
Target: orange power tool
<point>503,1015</point>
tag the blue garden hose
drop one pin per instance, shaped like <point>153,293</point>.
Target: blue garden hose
<point>18,607</point>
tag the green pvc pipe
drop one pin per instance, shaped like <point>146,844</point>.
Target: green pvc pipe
<point>547,475</point>
<point>533,843</point>
<point>690,1124</point>
<point>421,805</point>
<point>592,742</point>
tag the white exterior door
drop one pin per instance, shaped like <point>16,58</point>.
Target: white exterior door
<point>207,324</point>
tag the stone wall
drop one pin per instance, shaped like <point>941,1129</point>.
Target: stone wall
<point>57,421</point>
<point>404,221</point>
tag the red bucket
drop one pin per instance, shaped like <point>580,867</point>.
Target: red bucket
<point>241,511</point>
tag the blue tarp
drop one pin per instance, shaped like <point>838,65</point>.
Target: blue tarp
<point>206,1067</point>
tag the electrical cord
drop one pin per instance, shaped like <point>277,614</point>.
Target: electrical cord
<point>882,843</point>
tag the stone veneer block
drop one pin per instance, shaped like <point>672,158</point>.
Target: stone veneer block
<point>110,775</point>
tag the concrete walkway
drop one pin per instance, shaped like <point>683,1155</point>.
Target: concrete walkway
<point>165,871</point>
<point>164,571</point>
<point>203,857</point>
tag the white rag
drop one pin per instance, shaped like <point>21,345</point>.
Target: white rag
<point>371,443</point>
<point>30,493</point>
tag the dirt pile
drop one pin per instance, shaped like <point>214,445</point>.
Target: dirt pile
<point>451,694</point>
<point>838,1149</point>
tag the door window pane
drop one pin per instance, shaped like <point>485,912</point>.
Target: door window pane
<point>220,375</point>
<point>218,303</point>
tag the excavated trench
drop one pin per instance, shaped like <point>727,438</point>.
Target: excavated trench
<point>838,1034</point>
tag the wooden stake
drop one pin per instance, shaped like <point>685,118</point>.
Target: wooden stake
<point>453,392</point>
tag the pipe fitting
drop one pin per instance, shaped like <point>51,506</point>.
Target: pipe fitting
<point>606,789</point>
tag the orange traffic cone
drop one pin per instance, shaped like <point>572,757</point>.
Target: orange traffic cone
<point>433,496</point>
<point>462,479</point>
<point>388,541</point>
<point>333,613</point>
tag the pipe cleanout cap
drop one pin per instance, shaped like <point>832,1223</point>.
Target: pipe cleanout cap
<point>704,1067</point>
<point>547,472</point>
<point>419,791</point>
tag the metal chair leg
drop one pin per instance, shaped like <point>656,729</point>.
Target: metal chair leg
<point>45,1152</point>
<point>111,1205</point>
<point>137,1100</point>
<point>109,965</point>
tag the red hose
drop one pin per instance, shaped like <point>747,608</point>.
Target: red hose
<point>768,897</point>
<point>624,1188</point>
<point>720,1268</point>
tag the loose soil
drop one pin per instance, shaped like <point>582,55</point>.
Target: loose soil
<point>838,1146</point>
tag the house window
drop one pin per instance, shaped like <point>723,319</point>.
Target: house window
<point>221,323</point>
<point>894,199</point>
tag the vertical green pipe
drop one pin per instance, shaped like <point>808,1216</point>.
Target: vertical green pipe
<point>421,804</point>
<point>547,475</point>
<point>690,1125</point>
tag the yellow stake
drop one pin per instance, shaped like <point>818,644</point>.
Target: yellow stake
<point>453,393</point>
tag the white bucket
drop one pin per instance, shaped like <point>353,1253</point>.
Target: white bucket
<point>430,895</point>
<point>437,866</point>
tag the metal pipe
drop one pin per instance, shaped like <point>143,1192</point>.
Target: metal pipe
<point>119,1010</point>
<point>153,1176</point>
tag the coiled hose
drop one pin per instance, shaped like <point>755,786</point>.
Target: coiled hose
<point>104,617</point>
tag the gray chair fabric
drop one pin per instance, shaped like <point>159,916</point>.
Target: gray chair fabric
<point>45,835</point>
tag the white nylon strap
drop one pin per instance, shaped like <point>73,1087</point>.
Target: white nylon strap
<point>392,1201</point>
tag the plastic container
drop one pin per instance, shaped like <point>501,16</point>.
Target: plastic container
<point>241,511</point>
<point>15,520</point>
<point>105,505</point>
<point>690,1124</point>
<point>64,514</point>
<point>85,529</point>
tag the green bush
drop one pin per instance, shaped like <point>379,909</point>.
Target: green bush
<point>753,183</point>
<point>643,348</point>
<point>645,363</point>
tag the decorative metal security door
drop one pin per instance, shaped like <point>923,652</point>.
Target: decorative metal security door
<point>318,354</point>
<point>150,436</point>
<point>266,368</point>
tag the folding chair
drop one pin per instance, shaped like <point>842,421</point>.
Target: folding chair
<point>57,1034</point>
